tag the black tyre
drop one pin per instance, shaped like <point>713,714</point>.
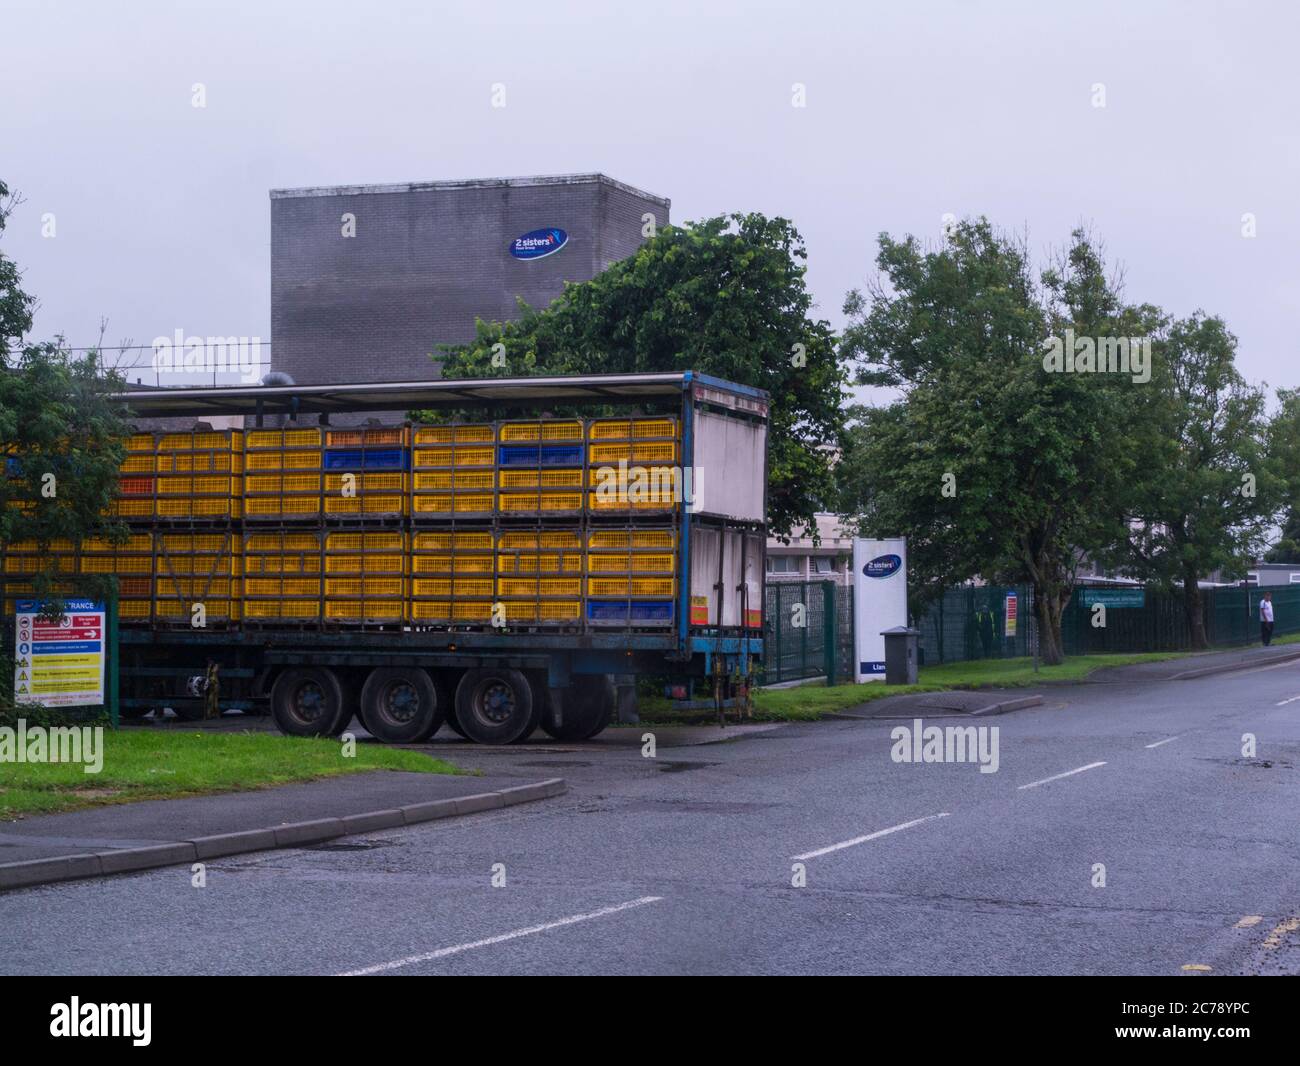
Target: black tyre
<point>586,707</point>
<point>494,706</point>
<point>401,705</point>
<point>308,701</point>
<point>537,686</point>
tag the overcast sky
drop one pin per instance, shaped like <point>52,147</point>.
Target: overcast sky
<point>912,111</point>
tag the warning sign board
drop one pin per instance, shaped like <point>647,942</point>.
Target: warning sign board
<point>60,663</point>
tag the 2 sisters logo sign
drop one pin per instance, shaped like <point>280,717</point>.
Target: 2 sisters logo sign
<point>883,566</point>
<point>539,243</point>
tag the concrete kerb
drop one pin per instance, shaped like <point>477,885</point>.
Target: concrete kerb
<point>290,835</point>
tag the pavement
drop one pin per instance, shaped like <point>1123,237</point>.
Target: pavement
<point>1191,667</point>
<point>135,836</point>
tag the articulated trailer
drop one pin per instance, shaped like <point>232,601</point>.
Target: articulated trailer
<point>497,667</point>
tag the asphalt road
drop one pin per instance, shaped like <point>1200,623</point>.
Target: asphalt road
<point>684,863</point>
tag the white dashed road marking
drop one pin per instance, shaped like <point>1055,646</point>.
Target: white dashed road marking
<point>1057,777</point>
<point>869,836</point>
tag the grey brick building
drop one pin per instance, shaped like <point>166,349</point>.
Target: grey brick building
<point>426,259</point>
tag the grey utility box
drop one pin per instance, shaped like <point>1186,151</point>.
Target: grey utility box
<point>900,655</point>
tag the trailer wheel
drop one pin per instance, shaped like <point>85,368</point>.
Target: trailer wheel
<point>494,706</point>
<point>401,705</point>
<point>586,707</point>
<point>308,701</point>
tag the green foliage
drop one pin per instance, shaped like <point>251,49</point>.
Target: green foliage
<point>1036,459</point>
<point>725,297</point>
<point>62,437</point>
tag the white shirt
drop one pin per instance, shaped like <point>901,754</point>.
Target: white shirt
<point>1266,610</point>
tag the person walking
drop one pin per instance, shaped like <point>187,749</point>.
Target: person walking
<point>1266,619</point>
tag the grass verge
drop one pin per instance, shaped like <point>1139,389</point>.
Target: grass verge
<point>807,703</point>
<point>142,764</point>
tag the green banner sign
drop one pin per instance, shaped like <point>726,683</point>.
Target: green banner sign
<point>1115,597</point>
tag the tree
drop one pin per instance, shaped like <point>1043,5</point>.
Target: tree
<point>61,435</point>
<point>1284,450</point>
<point>1206,492</point>
<point>989,464</point>
<point>726,297</point>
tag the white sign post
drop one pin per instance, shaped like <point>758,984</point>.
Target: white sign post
<point>879,600</point>
<point>60,663</point>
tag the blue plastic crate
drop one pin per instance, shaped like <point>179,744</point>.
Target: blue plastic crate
<point>373,459</point>
<point>630,612</point>
<point>539,455</point>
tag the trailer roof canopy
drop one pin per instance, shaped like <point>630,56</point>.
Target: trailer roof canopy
<point>389,395</point>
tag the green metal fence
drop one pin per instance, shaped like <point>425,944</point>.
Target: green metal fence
<point>809,631</point>
<point>972,623</point>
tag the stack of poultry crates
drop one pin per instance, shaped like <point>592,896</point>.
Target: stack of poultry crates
<point>365,577</point>
<point>197,578</point>
<point>23,559</point>
<point>540,467</point>
<point>365,473</point>
<point>199,475</point>
<point>453,472</point>
<point>284,480</point>
<point>634,497</point>
<point>539,576</point>
<point>282,577</point>
<point>452,577</point>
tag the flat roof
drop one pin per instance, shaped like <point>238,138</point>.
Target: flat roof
<point>407,395</point>
<point>468,183</point>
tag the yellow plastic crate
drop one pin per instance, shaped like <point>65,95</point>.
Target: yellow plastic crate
<point>633,586</point>
<point>632,538</point>
<point>32,564</point>
<point>541,501</point>
<point>430,564</point>
<point>282,438</point>
<point>543,610</point>
<point>367,482</point>
<point>642,478</point>
<point>609,429</point>
<point>545,430</point>
<point>431,503</point>
<point>140,442</point>
<point>132,508</point>
<point>202,440</point>
<point>626,429</point>
<point>194,542</point>
<point>180,609</point>
<point>300,459</point>
<point>279,608</point>
<point>197,588</point>
<point>135,542</point>
<point>620,501</point>
<point>134,608</point>
<point>635,452</point>
<point>458,455</point>
<point>369,541</point>
<point>363,586</point>
<point>282,586</point>
<point>539,586</point>
<point>137,464</point>
<point>282,564</point>
<point>430,611</point>
<point>472,564</point>
<point>539,562</point>
<point>282,483</point>
<point>282,506</point>
<point>472,586</point>
<point>541,479</point>
<point>431,586</point>
<point>637,562</point>
<point>376,610</point>
<point>382,436</point>
<point>200,507</point>
<point>281,542</point>
<point>367,503</point>
<point>453,479</point>
<point>473,502</point>
<point>366,563</point>
<point>462,433</point>
<point>547,538</point>
<point>199,462</point>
